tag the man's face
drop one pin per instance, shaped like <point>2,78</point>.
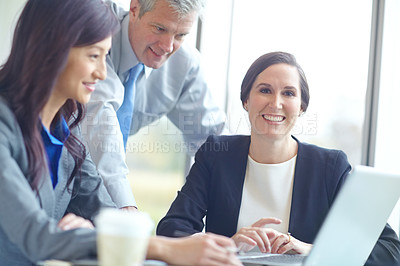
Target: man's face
<point>158,33</point>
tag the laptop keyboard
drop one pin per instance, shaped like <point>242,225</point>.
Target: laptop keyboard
<point>283,259</point>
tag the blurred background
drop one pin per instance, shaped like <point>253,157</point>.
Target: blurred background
<point>349,51</point>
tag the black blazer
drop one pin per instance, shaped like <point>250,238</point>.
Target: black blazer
<point>214,189</point>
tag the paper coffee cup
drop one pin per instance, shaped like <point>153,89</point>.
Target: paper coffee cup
<point>122,237</point>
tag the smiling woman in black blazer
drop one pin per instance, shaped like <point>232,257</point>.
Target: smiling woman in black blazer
<point>268,189</point>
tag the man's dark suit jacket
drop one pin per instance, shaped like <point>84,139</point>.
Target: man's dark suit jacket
<point>214,189</point>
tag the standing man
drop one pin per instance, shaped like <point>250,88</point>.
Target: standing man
<point>171,83</point>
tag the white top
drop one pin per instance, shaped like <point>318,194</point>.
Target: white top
<point>267,192</point>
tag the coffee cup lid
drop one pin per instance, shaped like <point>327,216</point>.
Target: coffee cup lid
<point>114,221</point>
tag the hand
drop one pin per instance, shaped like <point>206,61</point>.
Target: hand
<point>200,249</point>
<point>129,209</point>
<point>256,235</point>
<point>71,221</point>
<point>283,243</point>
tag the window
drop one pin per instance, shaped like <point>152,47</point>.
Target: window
<point>9,13</point>
<point>156,166</point>
<point>387,141</point>
<point>330,45</point>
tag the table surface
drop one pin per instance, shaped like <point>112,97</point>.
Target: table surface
<point>91,263</point>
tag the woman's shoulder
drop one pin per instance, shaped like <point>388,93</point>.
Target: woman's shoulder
<point>225,143</point>
<point>233,139</point>
<point>319,152</point>
<point>10,131</point>
<point>313,147</point>
<point>7,116</point>
<point>3,105</point>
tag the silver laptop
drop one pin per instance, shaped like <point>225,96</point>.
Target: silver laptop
<point>359,213</point>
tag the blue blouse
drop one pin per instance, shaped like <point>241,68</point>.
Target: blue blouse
<point>53,143</point>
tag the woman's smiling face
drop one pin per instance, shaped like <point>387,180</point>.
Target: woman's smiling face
<point>274,102</point>
<point>85,66</point>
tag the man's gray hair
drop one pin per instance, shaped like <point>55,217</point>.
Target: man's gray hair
<point>181,7</point>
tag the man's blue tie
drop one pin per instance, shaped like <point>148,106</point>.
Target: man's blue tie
<point>125,112</point>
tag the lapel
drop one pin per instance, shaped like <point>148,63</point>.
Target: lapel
<point>55,201</point>
<point>299,210</point>
<point>62,195</point>
<point>46,195</point>
<point>295,213</point>
<point>237,162</point>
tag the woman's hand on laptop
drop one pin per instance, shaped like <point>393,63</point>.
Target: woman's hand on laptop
<point>256,235</point>
<point>286,243</point>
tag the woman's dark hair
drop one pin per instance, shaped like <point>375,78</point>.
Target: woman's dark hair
<point>44,34</point>
<point>267,60</point>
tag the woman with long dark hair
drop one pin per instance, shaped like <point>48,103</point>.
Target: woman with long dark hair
<point>50,190</point>
<point>57,55</point>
